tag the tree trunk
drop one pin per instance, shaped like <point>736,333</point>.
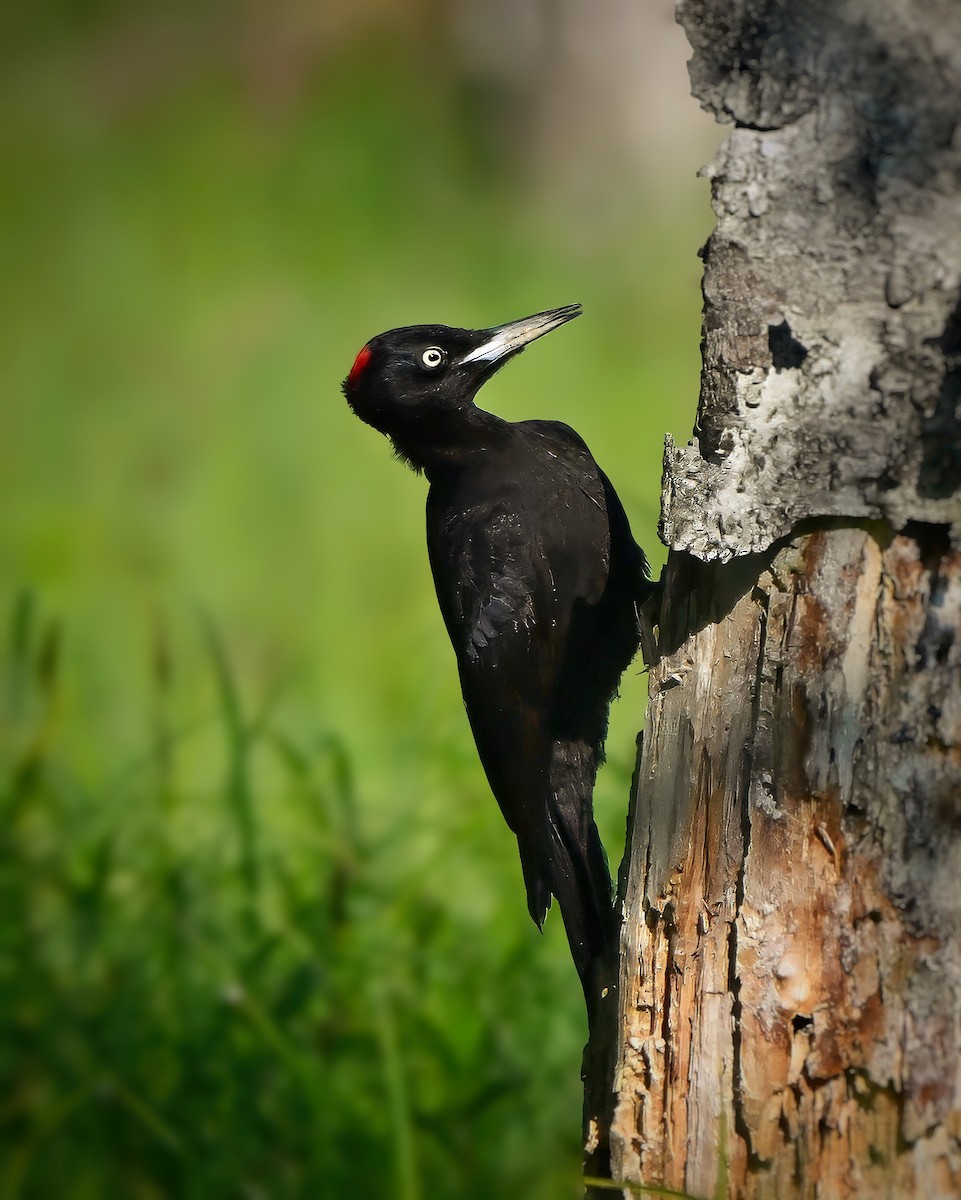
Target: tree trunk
<point>790,992</point>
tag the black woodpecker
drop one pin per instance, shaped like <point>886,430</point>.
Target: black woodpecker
<point>540,584</point>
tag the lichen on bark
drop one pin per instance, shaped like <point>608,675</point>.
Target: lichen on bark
<point>832,328</point>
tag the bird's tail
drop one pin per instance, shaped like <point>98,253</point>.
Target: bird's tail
<point>580,878</point>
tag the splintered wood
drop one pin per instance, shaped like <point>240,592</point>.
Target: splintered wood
<point>791,967</point>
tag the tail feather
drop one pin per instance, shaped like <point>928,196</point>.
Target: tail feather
<point>580,878</point>
<point>582,884</point>
<point>537,881</point>
<point>574,869</point>
<point>566,859</point>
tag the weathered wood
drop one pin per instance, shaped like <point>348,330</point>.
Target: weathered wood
<point>790,990</point>
<point>791,975</point>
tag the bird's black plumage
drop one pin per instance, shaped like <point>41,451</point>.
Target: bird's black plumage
<point>540,584</point>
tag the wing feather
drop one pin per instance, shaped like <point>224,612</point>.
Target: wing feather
<point>515,584</point>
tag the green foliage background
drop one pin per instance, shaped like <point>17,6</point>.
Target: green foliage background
<point>263,929</point>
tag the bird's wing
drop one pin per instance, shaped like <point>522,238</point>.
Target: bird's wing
<point>501,604</point>
<point>595,485</point>
<point>508,580</point>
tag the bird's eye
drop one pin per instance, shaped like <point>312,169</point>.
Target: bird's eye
<point>433,358</point>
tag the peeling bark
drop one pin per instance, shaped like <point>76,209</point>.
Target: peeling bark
<point>832,328</point>
<point>790,994</point>
<point>791,972</point>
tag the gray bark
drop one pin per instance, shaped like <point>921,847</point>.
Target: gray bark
<point>790,995</point>
<point>831,282</point>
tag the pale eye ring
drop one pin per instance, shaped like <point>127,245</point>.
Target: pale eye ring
<point>433,358</point>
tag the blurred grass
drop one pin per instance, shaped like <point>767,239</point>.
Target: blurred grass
<point>268,934</point>
<point>196,1004</point>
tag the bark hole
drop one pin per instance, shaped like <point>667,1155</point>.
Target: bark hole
<point>940,473</point>
<point>787,353</point>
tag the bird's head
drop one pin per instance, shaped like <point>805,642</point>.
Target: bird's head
<point>416,383</point>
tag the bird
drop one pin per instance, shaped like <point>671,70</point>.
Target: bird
<point>540,584</point>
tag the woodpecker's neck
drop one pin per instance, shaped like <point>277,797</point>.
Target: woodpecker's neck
<point>445,440</point>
